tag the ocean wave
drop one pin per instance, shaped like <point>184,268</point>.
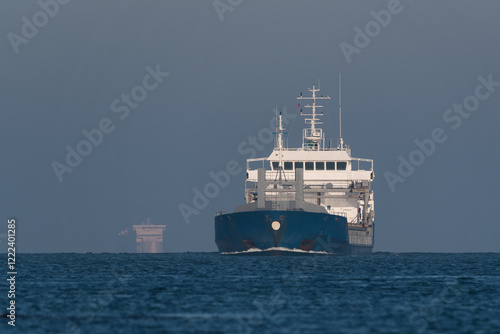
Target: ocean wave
<point>275,249</point>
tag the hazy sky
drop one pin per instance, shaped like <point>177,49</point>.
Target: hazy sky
<point>228,67</point>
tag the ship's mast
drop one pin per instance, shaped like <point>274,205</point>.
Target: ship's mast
<point>279,134</point>
<point>340,112</point>
<point>313,136</point>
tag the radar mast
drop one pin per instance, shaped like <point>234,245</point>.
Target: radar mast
<point>313,137</point>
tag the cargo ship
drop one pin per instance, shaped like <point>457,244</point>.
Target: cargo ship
<point>310,199</point>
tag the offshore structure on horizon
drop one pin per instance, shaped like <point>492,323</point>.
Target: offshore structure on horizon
<point>149,237</point>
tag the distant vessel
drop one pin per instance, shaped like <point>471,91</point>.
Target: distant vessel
<point>307,199</point>
<point>149,237</point>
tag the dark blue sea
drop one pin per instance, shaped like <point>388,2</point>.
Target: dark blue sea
<point>212,293</point>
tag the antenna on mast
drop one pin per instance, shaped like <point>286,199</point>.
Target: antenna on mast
<point>313,136</point>
<point>276,121</point>
<point>340,111</point>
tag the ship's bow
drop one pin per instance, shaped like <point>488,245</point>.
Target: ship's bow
<point>281,231</point>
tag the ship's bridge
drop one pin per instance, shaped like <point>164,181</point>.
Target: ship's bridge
<point>327,164</point>
<point>317,163</point>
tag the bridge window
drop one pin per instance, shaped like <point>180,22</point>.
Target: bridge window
<point>330,165</point>
<point>288,165</point>
<point>275,165</point>
<point>342,165</point>
<point>299,164</point>
<point>309,165</point>
<point>320,165</point>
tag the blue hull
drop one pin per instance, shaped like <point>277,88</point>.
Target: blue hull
<point>298,230</point>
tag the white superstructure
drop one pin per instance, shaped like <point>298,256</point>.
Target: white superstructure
<point>328,177</point>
